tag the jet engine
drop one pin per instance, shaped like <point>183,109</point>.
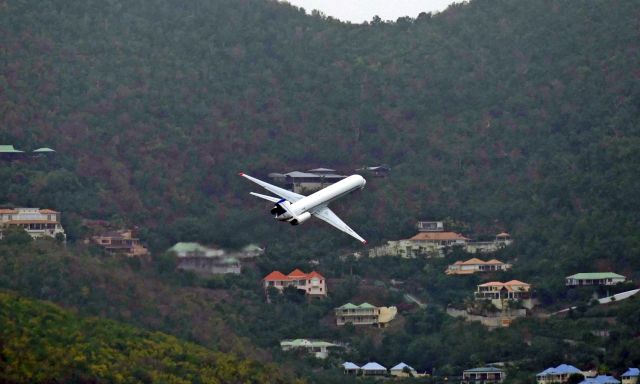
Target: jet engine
<point>301,219</point>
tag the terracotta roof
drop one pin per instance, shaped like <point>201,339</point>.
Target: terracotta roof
<point>11,211</point>
<point>494,261</point>
<point>492,284</point>
<point>438,236</point>
<point>515,282</point>
<point>503,234</point>
<point>315,274</point>
<point>474,261</point>
<point>31,222</point>
<point>296,272</point>
<point>48,211</point>
<point>275,275</point>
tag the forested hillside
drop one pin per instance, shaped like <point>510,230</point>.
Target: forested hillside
<point>501,115</point>
<point>494,115</point>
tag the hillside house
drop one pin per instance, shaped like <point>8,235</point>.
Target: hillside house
<point>120,242</point>
<point>313,284</point>
<point>476,265</point>
<point>35,221</point>
<point>559,374</point>
<point>195,250</point>
<point>403,370</point>
<point>373,369</point>
<point>319,349</point>
<point>350,368</point>
<point>484,375</point>
<point>501,240</point>
<point>376,171</point>
<point>364,314</point>
<point>594,278</point>
<point>501,293</point>
<point>631,376</point>
<point>306,182</point>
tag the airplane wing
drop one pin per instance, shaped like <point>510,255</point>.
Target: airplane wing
<point>327,215</point>
<point>270,198</point>
<point>291,196</point>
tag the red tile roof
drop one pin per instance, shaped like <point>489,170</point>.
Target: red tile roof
<point>296,274</point>
<point>45,211</point>
<point>10,211</point>
<point>275,275</point>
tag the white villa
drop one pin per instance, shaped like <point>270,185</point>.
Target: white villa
<point>476,265</point>
<point>37,222</point>
<point>320,349</point>
<point>365,314</point>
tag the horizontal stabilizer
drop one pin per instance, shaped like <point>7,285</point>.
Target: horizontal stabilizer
<point>270,198</point>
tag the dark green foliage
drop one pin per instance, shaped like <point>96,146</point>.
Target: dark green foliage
<point>15,236</point>
<point>42,343</point>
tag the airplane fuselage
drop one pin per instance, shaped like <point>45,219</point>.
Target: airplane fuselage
<point>324,196</point>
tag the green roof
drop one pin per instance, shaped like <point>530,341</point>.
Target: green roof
<point>43,150</point>
<point>365,305</point>
<point>348,306</point>
<point>595,276</point>
<point>187,247</point>
<point>307,343</point>
<point>9,149</point>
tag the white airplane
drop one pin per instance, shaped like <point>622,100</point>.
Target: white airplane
<point>296,208</point>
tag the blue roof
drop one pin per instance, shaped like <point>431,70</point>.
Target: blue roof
<point>561,369</point>
<point>632,372</point>
<point>350,365</point>
<point>602,379</point>
<point>373,366</point>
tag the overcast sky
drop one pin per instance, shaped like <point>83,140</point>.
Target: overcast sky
<point>358,11</point>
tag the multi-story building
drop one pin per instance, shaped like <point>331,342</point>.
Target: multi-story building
<point>631,376</point>
<point>320,349</point>
<point>484,375</point>
<point>35,221</point>
<point>313,284</point>
<point>364,314</point>
<point>476,265</point>
<point>559,374</point>
<point>502,293</point>
<point>594,278</point>
<point>120,242</point>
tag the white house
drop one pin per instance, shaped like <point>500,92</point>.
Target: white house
<point>631,376</point>
<point>403,370</point>
<point>35,221</point>
<point>350,368</point>
<point>373,369</point>
<point>594,278</point>
<point>320,349</point>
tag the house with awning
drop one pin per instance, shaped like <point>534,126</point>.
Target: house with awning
<point>483,375</point>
